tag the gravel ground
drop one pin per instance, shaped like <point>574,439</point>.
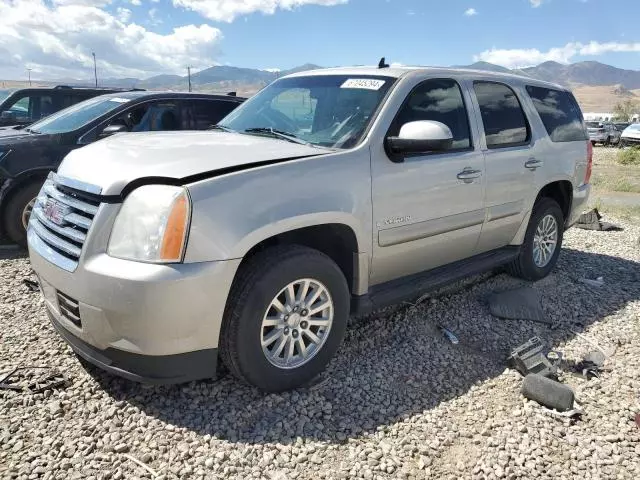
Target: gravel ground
<point>399,401</point>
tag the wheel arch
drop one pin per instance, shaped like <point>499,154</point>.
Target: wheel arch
<point>10,186</point>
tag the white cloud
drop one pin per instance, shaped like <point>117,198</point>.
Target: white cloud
<point>514,58</point>
<point>470,12</point>
<point>536,3</point>
<point>57,41</point>
<point>137,3</point>
<point>124,14</point>
<point>229,10</point>
<point>86,3</point>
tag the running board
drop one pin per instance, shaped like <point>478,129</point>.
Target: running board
<point>406,288</point>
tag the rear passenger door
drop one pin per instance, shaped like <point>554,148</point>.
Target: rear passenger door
<point>202,114</point>
<point>509,161</point>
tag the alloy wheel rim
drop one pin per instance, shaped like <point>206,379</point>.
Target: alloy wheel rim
<point>26,213</point>
<point>297,323</point>
<point>545,241</point>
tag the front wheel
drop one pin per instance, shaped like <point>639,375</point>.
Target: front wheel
<point>18,212</point>
<point>542,242</point>
<point>285,318</point>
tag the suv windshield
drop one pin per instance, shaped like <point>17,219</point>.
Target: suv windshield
<point>325,110</point>
<point>78,115</point>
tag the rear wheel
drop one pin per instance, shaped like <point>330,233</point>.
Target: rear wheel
<point>285,318</point>
<point>542,242</point>
<point>18,211</point>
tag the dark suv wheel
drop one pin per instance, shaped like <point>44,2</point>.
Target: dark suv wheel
<point>542,242</point>
<point>18,211</point>
<point>285,318</point>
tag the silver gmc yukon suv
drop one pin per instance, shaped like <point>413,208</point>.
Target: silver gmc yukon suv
<point>328,193</point>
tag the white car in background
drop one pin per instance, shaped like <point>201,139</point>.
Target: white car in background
<point>630,135</point>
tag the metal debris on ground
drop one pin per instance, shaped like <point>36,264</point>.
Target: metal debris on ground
<point>591,365</point>
<point>450,335</point>
<point>518,304</point>
<point>533,357</point>
<point>33,379</point>
<point>598,282</point>
<point>592,221</point>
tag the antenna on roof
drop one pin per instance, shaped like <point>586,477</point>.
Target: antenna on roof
<point>383,64</point>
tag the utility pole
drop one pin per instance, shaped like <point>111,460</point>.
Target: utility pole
<point>95,69</point>
<point>189,75</point>
<point>29,73</point>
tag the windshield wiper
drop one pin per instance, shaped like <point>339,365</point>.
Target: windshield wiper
<point>289,137</point>
<point>221,127</point>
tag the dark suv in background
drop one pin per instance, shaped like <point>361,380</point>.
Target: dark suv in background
<point>29,105</point>
<point>27,155</point>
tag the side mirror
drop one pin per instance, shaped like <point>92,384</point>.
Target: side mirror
<point>112,130</point>
<point>420,137</point>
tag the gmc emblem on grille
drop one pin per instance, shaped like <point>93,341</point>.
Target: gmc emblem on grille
<point>55,211</point>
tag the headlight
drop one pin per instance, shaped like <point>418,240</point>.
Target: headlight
<point>152,225</point>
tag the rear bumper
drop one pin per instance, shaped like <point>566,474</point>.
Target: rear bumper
<point>159,370</point>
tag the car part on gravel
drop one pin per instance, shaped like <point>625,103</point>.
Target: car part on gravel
<point>548,392</point>
<point>531,358</point>
<point>518,304</point>
<point>450,335</point>
<point>598,282</point>
<point>24,379</point>
<point>592,221</point>
<point>31,285</point>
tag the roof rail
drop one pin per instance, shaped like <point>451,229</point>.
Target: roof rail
<point>114,89</point>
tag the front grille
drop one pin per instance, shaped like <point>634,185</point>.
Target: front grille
<point>63,236</point>
<point>69,309</point>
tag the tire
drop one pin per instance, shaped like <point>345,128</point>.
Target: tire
<point>15,209</point>
<point>258,283</point>
<point>525,266</point>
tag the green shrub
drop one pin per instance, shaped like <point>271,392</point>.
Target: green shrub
<point>629,156</point>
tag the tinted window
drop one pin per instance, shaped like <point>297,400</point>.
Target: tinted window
<point>504,121</point>
<point>30,108</point>
<point>162,115</point>
<point>441,101</point>
<point>202,114</point>
<point>559,113</point>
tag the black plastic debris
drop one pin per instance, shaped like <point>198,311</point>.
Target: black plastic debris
<point>532,357</point>
<point>33,379</point>
<point>548,392</point>
<point>591,365</point>
<point>592,220</point>
<point>31,285</point>
<point>518,304</point>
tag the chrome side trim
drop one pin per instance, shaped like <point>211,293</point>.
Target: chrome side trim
<point>505,210</point>
<point>429,228</point>
<point>48,253</point>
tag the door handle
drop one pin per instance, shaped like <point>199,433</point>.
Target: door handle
<point>468,175</point>
<point>533,164</point>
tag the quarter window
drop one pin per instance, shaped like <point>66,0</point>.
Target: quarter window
<point>438,100</point>
<point>505,124</point>
<point>560,114</point>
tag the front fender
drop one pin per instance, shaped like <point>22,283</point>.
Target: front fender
<point>233,213</point>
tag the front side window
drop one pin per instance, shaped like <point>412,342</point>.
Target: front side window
<point>202,114</point>
<point>438,100</point>
<point>504,121</point>
<point>325,110</point>
<point>560,114</point>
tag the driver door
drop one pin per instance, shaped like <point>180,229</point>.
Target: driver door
<point>427,211</point>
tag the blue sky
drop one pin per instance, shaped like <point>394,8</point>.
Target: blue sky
<point>144,37</point>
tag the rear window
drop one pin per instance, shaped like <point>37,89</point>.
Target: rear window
<point>594,125</point>
<point>560,114</point>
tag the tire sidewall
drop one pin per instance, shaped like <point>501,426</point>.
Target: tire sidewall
<point>544,207</point>
<point>13,211</point>
<point>252,361</point>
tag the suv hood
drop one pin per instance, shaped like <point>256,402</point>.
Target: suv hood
<point>116,161</point>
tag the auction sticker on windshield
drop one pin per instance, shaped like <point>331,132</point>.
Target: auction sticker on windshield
<point>119,100</point>
<point>364,83</point>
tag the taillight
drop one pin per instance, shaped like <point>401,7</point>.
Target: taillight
<point>587,176</point>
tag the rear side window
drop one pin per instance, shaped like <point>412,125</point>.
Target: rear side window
<point>439,100</point>
<point>202,114</point>
<point>505,124</point>
<point>560,114</point>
